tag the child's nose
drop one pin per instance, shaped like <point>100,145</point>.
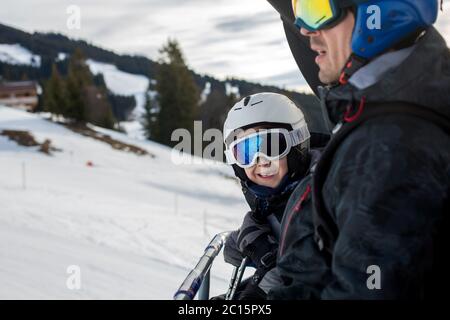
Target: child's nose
<point>263,161</point>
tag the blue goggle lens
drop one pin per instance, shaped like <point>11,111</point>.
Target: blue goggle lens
<point>271,144</point>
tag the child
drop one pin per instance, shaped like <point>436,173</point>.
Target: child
<point>268,145</point>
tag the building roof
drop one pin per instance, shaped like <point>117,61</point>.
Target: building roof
<point>17,85</point>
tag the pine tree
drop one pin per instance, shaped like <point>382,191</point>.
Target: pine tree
<point>108,121</point>
<point>215,109</point>
<point>55,99</point>
<point>78,79</point>
<point>178,95</point>
<point>98,108</point>
<point>214,112</point>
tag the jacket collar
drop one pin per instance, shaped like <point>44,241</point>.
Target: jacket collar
<point>418,75</point>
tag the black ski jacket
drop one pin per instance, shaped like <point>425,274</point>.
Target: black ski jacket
<point>387,191</point>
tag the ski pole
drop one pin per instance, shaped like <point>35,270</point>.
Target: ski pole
<point>237,281</point>
<point>230,286</point>
<point>195,278</point>
<point>203,292</point>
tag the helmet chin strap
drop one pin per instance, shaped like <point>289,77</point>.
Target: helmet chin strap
<point>353,64</point>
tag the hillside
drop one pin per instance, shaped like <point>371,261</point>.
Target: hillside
<point>134,224</point>
<point>50,47</point>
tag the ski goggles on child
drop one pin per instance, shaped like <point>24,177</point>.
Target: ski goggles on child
<point>273,144</point>
<point>316,15</point>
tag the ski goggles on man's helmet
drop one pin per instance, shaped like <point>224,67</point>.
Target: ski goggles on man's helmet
<point>319,14</point>
<point>273,144</point>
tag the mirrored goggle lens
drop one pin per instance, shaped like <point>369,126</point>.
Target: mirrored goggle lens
<point>271,144</point>
<point>313,13</point>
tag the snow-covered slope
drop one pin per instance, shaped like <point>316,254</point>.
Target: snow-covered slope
<point>125,84</point>
<point>117,81</point>
<point>16,54</point>
<point>134,224</point>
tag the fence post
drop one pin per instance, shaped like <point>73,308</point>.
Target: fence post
<point>24,179</point>
<point>175,203</point>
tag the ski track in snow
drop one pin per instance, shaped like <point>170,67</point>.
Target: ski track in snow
<point>134,224</point>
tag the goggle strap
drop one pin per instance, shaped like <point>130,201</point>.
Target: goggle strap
<point>229,157</point>
<point>347,3</point>
<point>350,3</point>
<point>300,135</point>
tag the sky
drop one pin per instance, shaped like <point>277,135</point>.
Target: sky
<point>222,38</point>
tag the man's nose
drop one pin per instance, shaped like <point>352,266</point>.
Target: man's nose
<point>305,32</point>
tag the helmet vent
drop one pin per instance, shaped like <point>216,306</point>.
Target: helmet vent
<point>253,104</point>
<point>246,101</point>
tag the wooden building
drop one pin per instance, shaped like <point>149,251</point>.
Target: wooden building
<point>19,94</point>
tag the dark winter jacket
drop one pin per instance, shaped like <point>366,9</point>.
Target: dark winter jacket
<point>264,220</point>
<point>387,190</point>
<point>267,208</point>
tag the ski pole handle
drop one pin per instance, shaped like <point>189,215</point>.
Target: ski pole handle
<point>231,285</point>
<point>237,281</point>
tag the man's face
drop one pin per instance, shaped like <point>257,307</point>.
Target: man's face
<point>333,47</point>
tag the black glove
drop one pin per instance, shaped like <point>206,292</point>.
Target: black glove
<point>251,291</point>
<point>255,241</point>
<point>262,252</point>
<point>231,252</point>
<point>219,297</point>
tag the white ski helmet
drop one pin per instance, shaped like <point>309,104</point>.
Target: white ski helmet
<point>265,107</point>
<point>274,109</point>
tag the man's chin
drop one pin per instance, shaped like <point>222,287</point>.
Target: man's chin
<point>328,78</point>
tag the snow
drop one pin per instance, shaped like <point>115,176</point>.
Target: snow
<point>61,56</point>
<point>134,129</point>
<point>125,84</point>
<point>135,225</point>
<point>18,55</point>
<point>120,82</point>
<point>230,89</point>
<point>206,92</point>
<point>39,89</point>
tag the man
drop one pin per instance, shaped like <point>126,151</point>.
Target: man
<point>377,211</point>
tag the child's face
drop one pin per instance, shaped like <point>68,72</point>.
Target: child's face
<point>265,172</point>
